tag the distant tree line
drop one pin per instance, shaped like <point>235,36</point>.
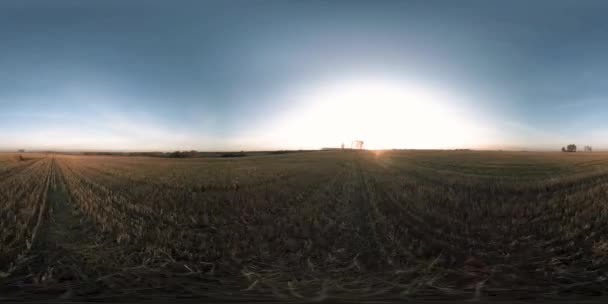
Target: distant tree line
<point>569,148</point>
<point>572,148</point>
<point>190,154</point>
<point>194,153</point>
<point>182,154</point>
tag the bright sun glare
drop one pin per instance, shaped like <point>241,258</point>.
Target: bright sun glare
<point>384,114</point>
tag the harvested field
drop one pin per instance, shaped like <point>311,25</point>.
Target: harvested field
<point>346,225</point>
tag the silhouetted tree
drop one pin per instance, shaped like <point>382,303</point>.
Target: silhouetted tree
<point>177,154</point>
<point>563,149</point>
<point>571,148</point>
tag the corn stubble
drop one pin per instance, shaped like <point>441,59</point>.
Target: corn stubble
<point>306,226</point>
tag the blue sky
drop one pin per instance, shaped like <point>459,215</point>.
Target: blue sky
<point>232,75</point>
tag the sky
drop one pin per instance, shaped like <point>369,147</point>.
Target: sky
<point>259,75</point>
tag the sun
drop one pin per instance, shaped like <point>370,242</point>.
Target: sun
<point>384,114</point>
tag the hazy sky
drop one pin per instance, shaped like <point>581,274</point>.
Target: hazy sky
<point>232,75</point>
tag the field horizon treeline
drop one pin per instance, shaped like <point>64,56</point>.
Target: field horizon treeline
<point>240,153</point>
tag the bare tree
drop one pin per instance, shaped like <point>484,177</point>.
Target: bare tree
<point>588,149</point>
<point>357,144</point>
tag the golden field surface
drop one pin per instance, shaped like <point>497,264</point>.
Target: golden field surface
<point>305,226</point>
